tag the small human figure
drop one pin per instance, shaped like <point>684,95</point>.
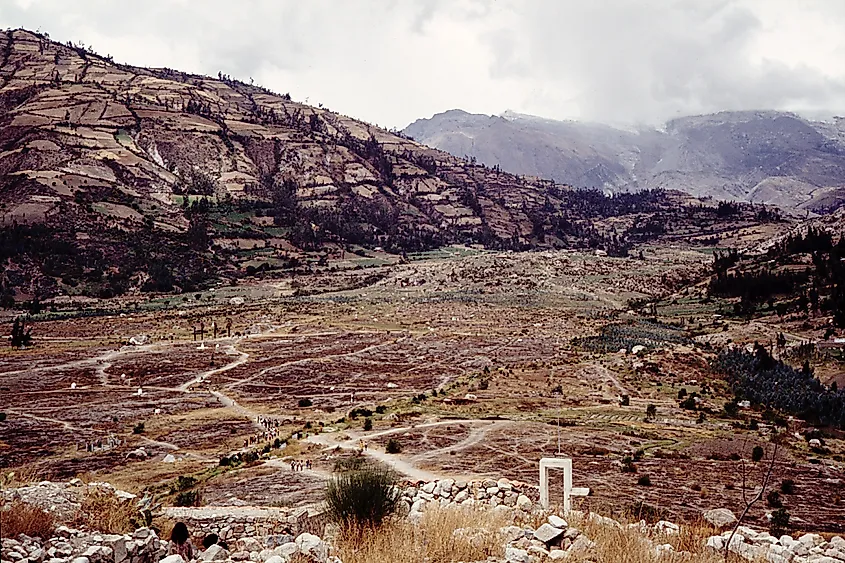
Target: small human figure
<point>180,542</point>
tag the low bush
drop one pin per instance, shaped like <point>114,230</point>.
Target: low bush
<point>187,498</point>
<point>362,499</point>
<point>644,481</point>
<point>779,524</point>
<point>787,487</point>
<point>139,428</point>
<point>304,403</point>
<point>757,453</point>
<point>393,446</point>
<point>22,518</point>
<point>773,499</point>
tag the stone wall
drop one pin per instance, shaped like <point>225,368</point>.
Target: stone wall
<point>235,522</point>
<point>511,494</point>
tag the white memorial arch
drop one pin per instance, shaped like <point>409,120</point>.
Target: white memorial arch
<point>569,491</point>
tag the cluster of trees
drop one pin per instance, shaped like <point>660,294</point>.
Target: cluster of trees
<point>759,378</point>
<point>786,275</point>
<point>104,267</point>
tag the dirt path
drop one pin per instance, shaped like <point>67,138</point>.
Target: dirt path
<point>408,466</point>
<point>230,350</point>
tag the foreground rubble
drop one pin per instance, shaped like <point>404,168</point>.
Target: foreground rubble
<point>532,535</point>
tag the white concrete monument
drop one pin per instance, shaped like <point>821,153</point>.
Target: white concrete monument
<point>569,491</point>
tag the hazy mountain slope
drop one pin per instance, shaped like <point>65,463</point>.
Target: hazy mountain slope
<point>102,158</point>
<point>764,157</point>
<point>116,178</point>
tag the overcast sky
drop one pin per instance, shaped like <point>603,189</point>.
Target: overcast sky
<point>392,61</point>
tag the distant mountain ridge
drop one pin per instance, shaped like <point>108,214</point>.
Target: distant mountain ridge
<point>116,179</point>
<point>767,157</point>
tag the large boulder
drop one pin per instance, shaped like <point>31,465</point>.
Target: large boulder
<point>312,545</point>
<point>173,559</point>
<point>548,534</point>
<point>719,518</point>
<point>214,553</point>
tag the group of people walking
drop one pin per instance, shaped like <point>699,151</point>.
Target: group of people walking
<point>297,465</point>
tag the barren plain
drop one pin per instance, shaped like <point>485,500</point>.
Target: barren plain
<point>472,363</point>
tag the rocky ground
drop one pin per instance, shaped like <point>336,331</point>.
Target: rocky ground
<point>531,535</point>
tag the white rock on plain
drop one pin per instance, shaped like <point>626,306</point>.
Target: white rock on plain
<point>511,533</point>
<point>548,534</point>
<point>667,528</point>
<point>173,559</point>
<point>214,553</point>
<point>523,502</point>
<point>557,521</point>
<point>312,545</point>
<point>286,550</point>
<point>514,555</point>
<point>719,517</point>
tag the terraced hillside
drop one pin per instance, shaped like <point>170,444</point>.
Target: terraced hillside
<point>115,178</point>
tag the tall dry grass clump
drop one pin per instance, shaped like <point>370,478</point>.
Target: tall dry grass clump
<point>23,518</point>
<point>104,512</point>
<point>443,535</point>
<point>632,545</point>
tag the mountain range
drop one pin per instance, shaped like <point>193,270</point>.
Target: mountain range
<point>765,157</point>
<point>115,178</point>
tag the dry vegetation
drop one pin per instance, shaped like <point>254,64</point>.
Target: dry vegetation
<point>104,512</point>
<point>22,518</point>
<point>433,539</point>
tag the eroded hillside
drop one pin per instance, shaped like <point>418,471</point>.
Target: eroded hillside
<point>117,178</point>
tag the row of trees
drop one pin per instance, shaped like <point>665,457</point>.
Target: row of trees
<point>759,378</point>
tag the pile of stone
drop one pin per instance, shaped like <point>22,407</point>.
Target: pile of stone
<point>63,500</point>
<point>762,546</point>
<point>144,546</point>
<point>75,546</point>
<point>270,549</point>
<point>501,493</point>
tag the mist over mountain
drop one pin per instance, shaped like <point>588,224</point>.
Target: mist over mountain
<point>756,156</point>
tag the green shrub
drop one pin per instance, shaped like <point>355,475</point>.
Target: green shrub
<point>2,417</point>
<point>139,428</point>
<point>393,446</point>
<point>353,463</point>
<point>628,465</point>
<point>362,498</point>
<point>625,400</point>
<point>187,498</point>
<point>644,481</point>
<point>757,453</point>
<point>779,524</point>
<point>787,487</point>
<point>773,499</point>
<point>368,424</point>
<point>381,409</point>
<point>303,403</point>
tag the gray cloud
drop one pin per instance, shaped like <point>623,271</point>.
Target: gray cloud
<point>391,61</point>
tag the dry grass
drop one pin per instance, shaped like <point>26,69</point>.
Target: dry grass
<point>22,518</point>
<point>22,476</point>
<point>630,545</point>
<point>104,512</point>
<point>434,540</point>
